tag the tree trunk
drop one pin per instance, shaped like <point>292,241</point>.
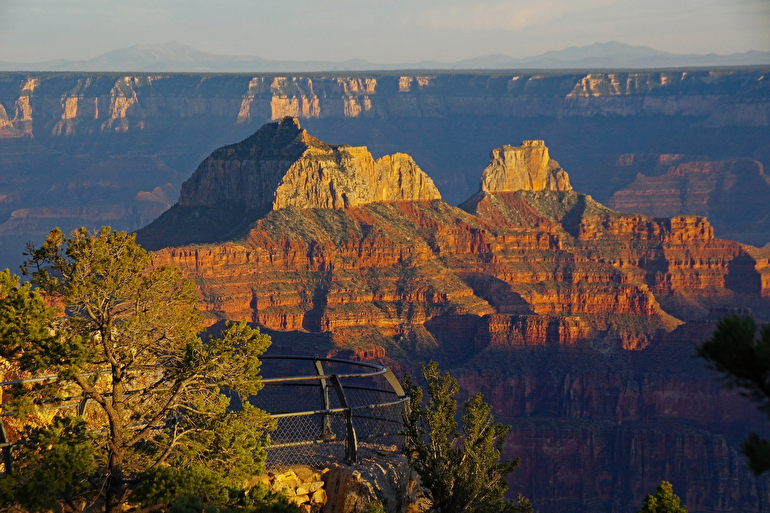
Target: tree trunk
<point>114,481</point>
<point>115,476</point>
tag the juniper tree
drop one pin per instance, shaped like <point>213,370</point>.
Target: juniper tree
<point>461,470</point>
<point>121,333</point>
<point>743,359</point>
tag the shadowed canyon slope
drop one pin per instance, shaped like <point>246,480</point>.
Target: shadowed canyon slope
<point>576,321</point>
<point>733,194</point>
<point>107,148</point>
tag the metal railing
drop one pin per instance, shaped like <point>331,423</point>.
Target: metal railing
<point>324,413</point>
<point>321,415</point>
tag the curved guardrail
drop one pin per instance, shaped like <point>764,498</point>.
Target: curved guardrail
<point>322,414</point>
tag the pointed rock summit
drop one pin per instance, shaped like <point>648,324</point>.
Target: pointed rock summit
<point>281,166</point>
<point>523,168</point>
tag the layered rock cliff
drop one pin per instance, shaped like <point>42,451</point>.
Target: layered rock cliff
<point>68,103</point>
<point>282,166</point>
<point>595,429</point>
<point>100,139</point>
<point>732,193</point>
<point>392,242</point>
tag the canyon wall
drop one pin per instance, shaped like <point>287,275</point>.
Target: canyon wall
<point>732,193</point>
<point>567,316</point>
<point>596,430</point>
<point>106,141</point>
<point>67,104</point>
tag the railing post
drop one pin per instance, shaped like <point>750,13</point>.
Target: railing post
<point>393,382</point>
<point>7,456</point>
<point>391,378</point>
<point>82,405</point>
<point>352,448</point>
<point>326,422</point>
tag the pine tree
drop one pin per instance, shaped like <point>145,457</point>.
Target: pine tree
<point>461,470</point>
<point>664,501</point>
<point>121,333</point>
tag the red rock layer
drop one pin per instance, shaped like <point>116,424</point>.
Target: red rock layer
<point>502,331</point>
<point>732,193</point>
<point>692,187</point>
<point>395,266</point>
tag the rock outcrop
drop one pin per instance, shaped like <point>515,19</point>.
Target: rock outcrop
<point>281,166</point>
<point>523,168</point>
<point>303,486</point>
<point>522,268</point>
<point>381,476</point>
<point>555,307</point>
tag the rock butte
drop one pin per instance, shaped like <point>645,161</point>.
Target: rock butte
<point>282,166</point>
<point>566,314</point>
<point>525,168</point>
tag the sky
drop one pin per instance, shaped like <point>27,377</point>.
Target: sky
<point>383,31</point>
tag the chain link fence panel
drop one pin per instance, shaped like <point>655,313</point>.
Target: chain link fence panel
<point>325,407</point>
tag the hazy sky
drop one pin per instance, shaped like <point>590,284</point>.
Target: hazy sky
<point>381,31</point>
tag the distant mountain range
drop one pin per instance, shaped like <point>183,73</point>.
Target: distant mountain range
<point>182,58</point>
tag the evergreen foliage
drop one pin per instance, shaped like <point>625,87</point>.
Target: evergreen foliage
<point>744,362</point>
<point>664,501</point>
<point>374,507</point>
<point>461,470</point>
<point>121,332</point>
<point>193,504</point>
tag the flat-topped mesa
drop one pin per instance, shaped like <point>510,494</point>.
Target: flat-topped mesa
<point>281,166</point>
<point>523,168</point>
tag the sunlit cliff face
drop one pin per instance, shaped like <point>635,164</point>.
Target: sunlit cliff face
<point>118,103</point>
<point>524,168</point>
<point>283,166</point>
